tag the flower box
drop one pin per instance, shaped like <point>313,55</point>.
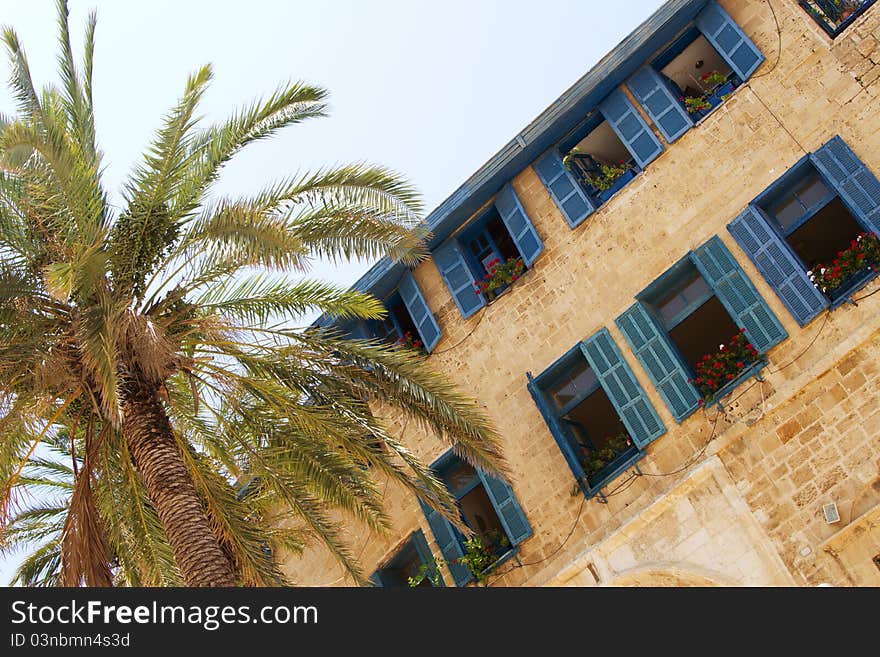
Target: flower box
<point>720,372</point>
<point>616,186</point>
<point>748,372</point>
<point>717,96</point>
<point>851,269</point>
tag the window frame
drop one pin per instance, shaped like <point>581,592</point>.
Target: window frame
<point>554,415</point>
<point>780,188</point>
<point>418,544</point>
<point>834,32</point>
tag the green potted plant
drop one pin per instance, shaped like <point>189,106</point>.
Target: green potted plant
<point>499,276</point>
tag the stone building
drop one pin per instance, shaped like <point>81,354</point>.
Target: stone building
<point>715,175</point>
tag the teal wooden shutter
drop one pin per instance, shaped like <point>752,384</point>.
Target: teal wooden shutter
<point>853,180</point>
<point>661,105</point>
<point>626,121</point>
<point>656,354</point>
<point>447,541</point>
<point>419,312</point>
<point>509,511</point>
<point>458,278</point>
<point>555,427</point>
<point>518,224</point>
<point>729,40</point>
<point>734,289</point>
<point>568,195</point>
<point>778,265</point>
<point>376,578</point>
<point>426,556</point>
<point>622,388</point>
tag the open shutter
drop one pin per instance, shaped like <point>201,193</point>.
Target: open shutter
<point>509,511</point>
<point>426,556</point>
<point>555,429</point>
<point>458,278</point>
<point>729,40</point>
<point>856,184</point>
<point>661,105</point>
<point>656,355</point>
<point>622,388</point>
<point>518,224</point>
<point>778,265</point>
<point>376,578</point>
<point>570,198</point>
<point>629,125</point>
<point>734,289</point>
<point>447,541</point>
<point>419,312</point>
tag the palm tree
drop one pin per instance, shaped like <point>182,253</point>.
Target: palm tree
<point>156,344</point>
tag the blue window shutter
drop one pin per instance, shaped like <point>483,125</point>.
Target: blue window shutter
<point>570,198</point>
<point>626,121</point>
<point>778,265</point>
<point>656,354</point>
<point>734,289</point>
<point>855,183</point>
<point>555,429</point>
<point>376,578</point>
<point>418,309</point>
<point>729,40</point>
<point>458,278</point>
<point>447,540</point>
<point>509,511</point>
<point>518,224</point>
<point>661,105</point>
<point>622,388</point>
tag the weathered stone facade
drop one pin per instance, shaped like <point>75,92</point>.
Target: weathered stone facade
<point>725,498</point>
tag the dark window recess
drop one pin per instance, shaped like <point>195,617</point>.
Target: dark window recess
<point>406,564</point>
<point>694,318</point>
<point>834,16</point>
<point>815,223</point>
<point>877,561</point>
<point>599,161</point>
<point>696,74</point>
<point>476,508</point>
<point>397,322</point>
<point>491,241</point>
<point>591,424</point>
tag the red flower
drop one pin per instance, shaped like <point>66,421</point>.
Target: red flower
<point>742,330</point>
<point>729,377</point>
<point>699,379</point>
<point>417,343</point>
<point>515,277</point>
<point>706,357</point>
<point>700,403</point>
<point>740,364</point>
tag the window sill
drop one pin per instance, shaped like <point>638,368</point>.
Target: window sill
<point>613,470</point>
<point>846,292</point>
<point>753,370</point>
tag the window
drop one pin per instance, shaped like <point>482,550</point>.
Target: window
<point>598,158</point>
<point>596,410</point>
<point>409,562</point>
<point>681,320</point>
<point>705,63</point>
<point>500,232</point>
<point>834,16</point>
<point>487,506</point>
<point>814,221</point>
<point>699,77</point>
<point>409,320</point>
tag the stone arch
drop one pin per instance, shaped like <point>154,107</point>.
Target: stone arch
<point>671,574</point>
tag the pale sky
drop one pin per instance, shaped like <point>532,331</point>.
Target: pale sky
<point>430,89</point>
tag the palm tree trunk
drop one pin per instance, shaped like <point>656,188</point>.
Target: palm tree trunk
<point>150,439</point>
